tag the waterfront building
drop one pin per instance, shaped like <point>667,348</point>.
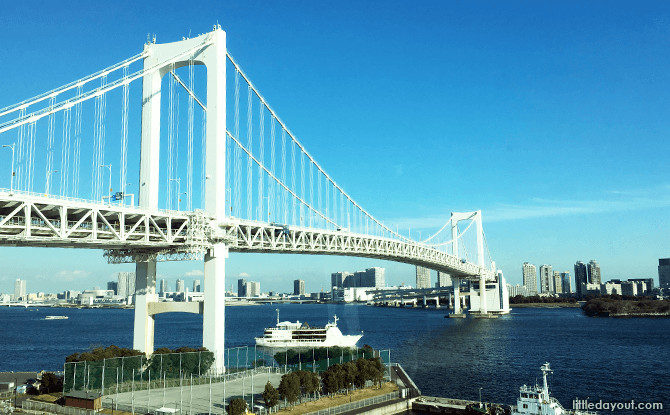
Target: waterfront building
<point>125,284</point>
<point>180,287</point>
<point>611,288</point>
<point>113,286</point>
<point>664,273</point>
<point>374,277</point>
<point>514,290</point>
<point>443,280</point>
<point>566,285</point>
<point>298,287</point>
<point>594,272</point>
<point>241,287</point>
<point>530,278</point>
<point>648,286</point>
<point>253,289</point>
<point>19,290</point>
<point>592,289</point>
<point>558,286</point>
<point>196,286</point>
<point>497,296</point>
<point>337,279</point>
<point>580,278</point>
<point>163,287</point>
<point>546,279</point>
<point>422,277</point>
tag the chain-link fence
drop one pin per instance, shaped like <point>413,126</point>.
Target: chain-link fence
<point>55,408</point>
<point>357,405</point>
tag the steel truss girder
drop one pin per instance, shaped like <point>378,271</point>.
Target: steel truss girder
<point>251,236</point>
<point>31,220</point>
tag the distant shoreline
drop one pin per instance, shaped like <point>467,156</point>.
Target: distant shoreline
<point>545,305</point>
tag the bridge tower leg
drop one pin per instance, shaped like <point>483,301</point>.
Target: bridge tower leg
<point>161,59</point>
<point>457,294</point>
<point>480,256</point>
<point>145,293</point>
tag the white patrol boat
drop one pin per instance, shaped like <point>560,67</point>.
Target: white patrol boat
<point>288,334</point>
<point>536,400</point>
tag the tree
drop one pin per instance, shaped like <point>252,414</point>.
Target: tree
<point>350,374</point>
<point>51,383</point>
<point>289,387</point>
<point>270,396</point>
<point>237,406</point>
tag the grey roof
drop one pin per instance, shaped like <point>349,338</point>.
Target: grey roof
<point>21,377</point>
<point>83,395</point>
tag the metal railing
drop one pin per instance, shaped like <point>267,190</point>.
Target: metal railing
<point>357,405</point>
<point>55,408</point>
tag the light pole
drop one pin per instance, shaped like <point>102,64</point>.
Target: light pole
<point>480,397</point>
<point>178,180</point>
<point>46,187</point>
<point>11,183</point>
<point>109,198</point>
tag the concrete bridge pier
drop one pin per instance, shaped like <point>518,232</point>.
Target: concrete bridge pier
<point>425,303</point>
<point>214,313</point>
<point>437,302</point>
<point>457,294</point>
<point>145,294</point>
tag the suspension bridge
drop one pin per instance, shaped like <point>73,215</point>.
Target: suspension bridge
<point>249,184</point>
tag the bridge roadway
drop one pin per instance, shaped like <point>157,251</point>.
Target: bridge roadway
<point>129,234</point>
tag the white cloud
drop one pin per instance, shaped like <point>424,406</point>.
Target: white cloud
<point>194,273</point>
<point>244,274</point>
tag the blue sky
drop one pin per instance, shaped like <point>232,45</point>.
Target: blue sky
<point>551,118</point>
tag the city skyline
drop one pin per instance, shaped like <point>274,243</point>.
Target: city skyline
<point>502,86</point>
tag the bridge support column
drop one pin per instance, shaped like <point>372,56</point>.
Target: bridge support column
<point>437,302</point>
<point>214,315</point>
<point>482,295</point>
<point>145,293</point>
<point>457,294</point>
<point>425,302</point>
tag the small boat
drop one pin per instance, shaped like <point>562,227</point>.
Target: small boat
<point>536,400</point>
<point>56,317</point>
<point>288,334</point>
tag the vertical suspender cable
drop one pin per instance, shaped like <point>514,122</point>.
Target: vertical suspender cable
<point>124,135</point>
<point>283,173</point>
<point>311,190</point>
<point>250,142</point>
<point>76,156</point>
<point>30,169</point>
<point>302,187</point>
<point>293,187</point>
<point>171,139</point>
<point>238,151</point>
<point>50,144</point>
<point>271,183</point>
<point>65,153</point>
<point>20,156</point>
<point>262,162</point>
<point>189,162</point>
<point>203,150</point>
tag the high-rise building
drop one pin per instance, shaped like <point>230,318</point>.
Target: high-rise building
<point>530,278</point>
<point>337,279</point>
<point>374,277</point>
<point>298,287</point>
<point>196,286</point>
<point>443,280</point>
<point>180,286</point>
<point>594,272</point>
<point>113,286</point>
<point>580,278</point>
<point>126,284</point>
<point>422,277</point>
<point>647,285</point>
<point>241,287</point>
<point>565,282</point>
<point>664,273</point>
<point>253,289</point>
<point>163,287</point>
<point>20,290</point>
<point>546,279</point>
<point>558,286</point>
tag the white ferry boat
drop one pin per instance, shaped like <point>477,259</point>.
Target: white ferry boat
<point>288,334</point>
<point>536,400</point>
<point>56,317</point>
